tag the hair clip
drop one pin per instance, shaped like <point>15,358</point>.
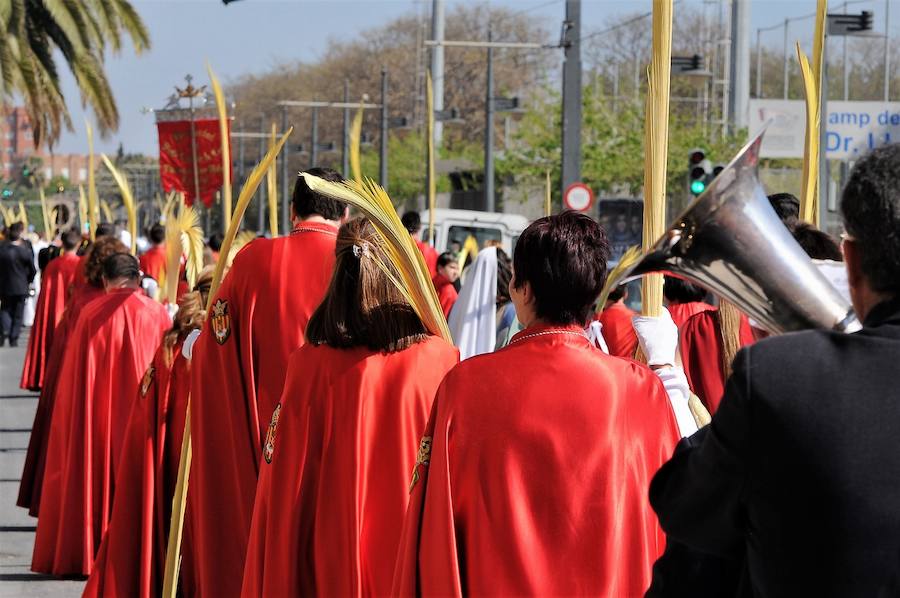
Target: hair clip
<point>359,250</point>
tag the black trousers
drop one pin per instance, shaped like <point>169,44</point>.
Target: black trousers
<point>12,311</point>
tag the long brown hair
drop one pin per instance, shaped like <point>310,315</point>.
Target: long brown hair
<point>362,307</point>
<point>191,313</point>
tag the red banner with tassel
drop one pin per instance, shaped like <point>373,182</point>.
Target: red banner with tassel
<point>176,159</point>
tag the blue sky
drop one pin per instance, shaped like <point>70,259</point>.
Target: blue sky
<point>256,35</point>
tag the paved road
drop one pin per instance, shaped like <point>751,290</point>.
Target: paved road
<point>16,527</point>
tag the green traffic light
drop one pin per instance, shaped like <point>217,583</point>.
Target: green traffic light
<point>697,187</point>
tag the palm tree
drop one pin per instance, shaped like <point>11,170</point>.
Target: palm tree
<point>32,30</point>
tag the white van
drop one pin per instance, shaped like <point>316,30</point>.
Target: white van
<point>455,226</point>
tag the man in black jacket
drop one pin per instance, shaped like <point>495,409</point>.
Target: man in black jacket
<point>16,273</point>
<point>799,471</point>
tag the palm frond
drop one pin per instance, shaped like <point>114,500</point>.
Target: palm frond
<point>240,241</point>
<point>407,269</point>
<point>184,237</point>
<point>107,212</point>
<point>272,190</point>
<point>82,208</point>
<point>93,208</point>
<point>355,140</point>
<point>226,144</point>
<point>614,277</point>
<point>127,199</point>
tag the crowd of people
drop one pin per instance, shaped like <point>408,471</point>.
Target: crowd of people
<point>341,448</point>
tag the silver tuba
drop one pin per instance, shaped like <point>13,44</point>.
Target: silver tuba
<point>731,241</point>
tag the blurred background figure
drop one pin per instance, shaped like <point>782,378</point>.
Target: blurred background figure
<point>17,271</point>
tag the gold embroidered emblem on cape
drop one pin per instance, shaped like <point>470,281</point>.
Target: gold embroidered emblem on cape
<point>147,380</point>
<point>269,446</point>
<point>422,458</point>
<point>220,322</point>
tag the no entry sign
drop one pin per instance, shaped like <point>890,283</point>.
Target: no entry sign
<point>578,197</point>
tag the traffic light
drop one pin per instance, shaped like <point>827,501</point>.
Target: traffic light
<point>699,171</point>
<point>865,20</point>
<point>26,171</point>
<point>7,193</point>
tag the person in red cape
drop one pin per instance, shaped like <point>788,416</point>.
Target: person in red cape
<point>532,475</point>
<point>107,353</point>
<point>709,342</point>
<point>257,319</point>
<point>616,323</point>
<point>132,554</point>
<point>413,223</point>
<point>683,299</point>
<point>447,274</point>
<point>332,490</point>
<point>81,294</point>
<point>55,281</point>
<point>153,261</point>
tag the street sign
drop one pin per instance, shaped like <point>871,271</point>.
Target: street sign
<point>852,128</point>
<point>578,197</point>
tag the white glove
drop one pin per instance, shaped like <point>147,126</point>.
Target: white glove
<point>172,308</point>
<point>676,385</point>
<point>658,337</point>
<point>594,333</point>
<point>187,349</point>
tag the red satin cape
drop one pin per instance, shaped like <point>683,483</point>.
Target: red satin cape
<point>266,301</point>
<point>701,355</point>
<point>35,459</point>
<point>330,506</point>
<point>446,293</point>
<point>537,479</point>
<point>51,303</point>
<point>132,555</point>
<point>153,262</point>
<point>618,331</point>
<point>108,351</point>
<point>682,311</point>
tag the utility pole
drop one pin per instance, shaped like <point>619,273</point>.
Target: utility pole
<point>383,150</point>
<point>489,204</point>
<point>571,97</point>
<point>437,66</point>
<point>345,152</point>
<point>285,192</point>
<point>887,50</point>
<point>740,62</point>
<point>314,138</point>
<point>785,59</point>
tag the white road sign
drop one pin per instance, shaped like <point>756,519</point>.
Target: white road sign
<point>853,128</point>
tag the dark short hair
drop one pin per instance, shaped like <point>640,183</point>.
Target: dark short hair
<point>676,290</point>
<point>215,241</point>
<point>14,231</point>
<point>563,257</point>
<point>446,258</point>
<point>817,244</point>
<point>870,206</point>
<point>620,292</point>
<point>104,229</point>
<point>121,265</point>
<point>412,222</point>
<point>308,203</point>
<point>157,233</point>
<point>71,239</point>
<point>362,307</point>
<point>786,205</point>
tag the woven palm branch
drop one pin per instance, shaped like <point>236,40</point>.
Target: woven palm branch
<point>23,215</point>
<point>809,193</point>
<point>7,215</point>
<point>548,206</point>
<point>226,144</point>
<point>407,269</point>
<point>82,208</point>
<point>240,241</point>
<point>107,212</point>
<point>184,237</point>
<point>127,199</point>
<point>272,189</point>
<point>45,214</point>
<point>656,148</point>
<point>93,203</point>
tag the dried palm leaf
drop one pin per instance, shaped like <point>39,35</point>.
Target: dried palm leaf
<point>184,237</point>
<point>45,215</point>
<point>226,144</point>
<point>809,193</point>
<point>107,212</point>
<point>272,189</point>
<point>407,269</point>
<point>656,147</point>
<point>548,209</point>
<point>82,208</point>
<point>127,199</point>
<point>23,215</point>
<point>355,140</point>
<point>242,239</point>
<point>614,277</point>
<point>93,207</point>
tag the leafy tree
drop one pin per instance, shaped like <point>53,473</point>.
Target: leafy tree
<point>32,31</point>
